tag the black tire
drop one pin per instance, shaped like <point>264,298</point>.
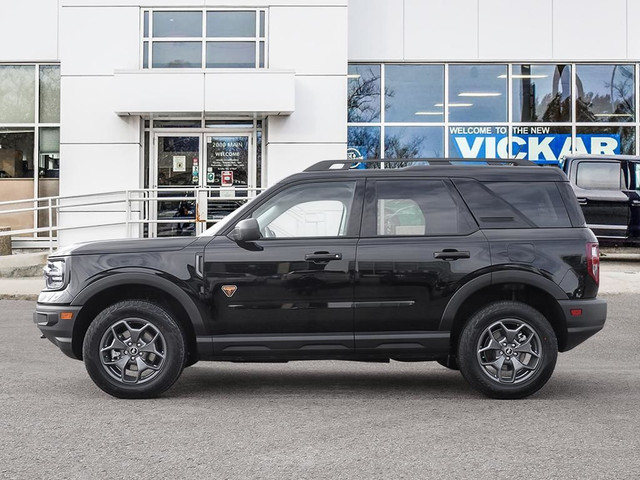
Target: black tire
<point>507,369</point>
<point>134,349</point>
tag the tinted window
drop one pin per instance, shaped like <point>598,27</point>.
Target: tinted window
<point>307,210</point>
<point>540,202</point>
<point>599,176</point>
<point>414,207</point>
<point>515,204</point>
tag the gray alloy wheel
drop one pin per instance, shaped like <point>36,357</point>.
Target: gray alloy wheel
<point>134,349</point>
<point>507,349</point>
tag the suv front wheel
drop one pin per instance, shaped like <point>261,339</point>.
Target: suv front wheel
<point>134,349</point>
<point>507,349</point>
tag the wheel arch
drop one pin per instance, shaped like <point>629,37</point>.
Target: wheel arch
<point>138,286</point>
<point>526,287</point>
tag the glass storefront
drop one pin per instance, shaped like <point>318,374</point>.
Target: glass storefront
<point>538,112</point>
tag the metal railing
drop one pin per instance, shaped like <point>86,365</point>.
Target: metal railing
<point>141,212</point>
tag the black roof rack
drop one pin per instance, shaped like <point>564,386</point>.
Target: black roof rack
<point>418,163</point>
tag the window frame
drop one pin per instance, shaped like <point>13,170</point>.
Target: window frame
<point>147,39</point>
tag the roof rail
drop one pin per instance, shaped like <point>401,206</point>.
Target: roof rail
<point>418,163</point>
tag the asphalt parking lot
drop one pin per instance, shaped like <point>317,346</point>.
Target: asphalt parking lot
<point>321,419</point>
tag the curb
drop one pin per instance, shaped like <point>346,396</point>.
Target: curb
<point>18,296</point>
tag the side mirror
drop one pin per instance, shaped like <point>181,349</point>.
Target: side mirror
<point>246,230</point>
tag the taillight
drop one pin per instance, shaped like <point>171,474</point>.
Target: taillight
<point>593,261</point>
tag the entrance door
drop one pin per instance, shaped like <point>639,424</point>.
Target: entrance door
<point>230,170</point>
<point>177,173</point>
<point>208,186</point>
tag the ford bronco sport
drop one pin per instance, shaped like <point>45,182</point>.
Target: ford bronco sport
<point>489,269</point>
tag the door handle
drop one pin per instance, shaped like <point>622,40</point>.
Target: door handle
<point>322,256</point>
<point>451,254</point>
<point>582,201</point>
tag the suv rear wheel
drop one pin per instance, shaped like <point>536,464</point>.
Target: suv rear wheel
<point>134,349</point>
<point>507,350</point>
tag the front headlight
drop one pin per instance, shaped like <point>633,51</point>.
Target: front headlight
<point>54,274</point>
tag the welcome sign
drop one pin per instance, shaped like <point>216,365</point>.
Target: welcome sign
<point>537,144</point>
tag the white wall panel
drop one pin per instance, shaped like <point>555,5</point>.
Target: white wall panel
<point>286,159</point>
<point>320,114</point>
<point>440,30</point>
<point>171,90</point>
<point>98,40</point>
<point>589,29</point>
<point>29,30</point>
<point>200,3</point>
<point>509,30</point>
<point>376,30</point>
<point>87,114</point>
<point>98,168</point>
<point>310,40</point>
<point>633,32</point>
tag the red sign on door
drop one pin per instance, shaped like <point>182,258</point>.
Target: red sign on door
<point>227,178</point>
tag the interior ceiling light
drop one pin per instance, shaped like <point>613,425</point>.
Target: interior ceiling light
<point>353,75</point>
<point>455,105</point>
<point>612,115</point>
<point>521,75</point>
<point>479,94</point>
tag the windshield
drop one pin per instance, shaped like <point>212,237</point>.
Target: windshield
<point>226,221</point>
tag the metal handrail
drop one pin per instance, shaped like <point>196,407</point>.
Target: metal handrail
<point>131,203</point>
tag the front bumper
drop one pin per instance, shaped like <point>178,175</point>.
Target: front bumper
<point>53,326</point>
<point>589,322</point>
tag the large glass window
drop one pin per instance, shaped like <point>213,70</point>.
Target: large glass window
<point>210,39</point>
<point>541,93</point>
<point>412,92</point>
<point>414,142</point>
<point>477,93</point>
<point>17,93</point>
<point>539,112</point>
<point>605,93</point>
<point>363,96</point>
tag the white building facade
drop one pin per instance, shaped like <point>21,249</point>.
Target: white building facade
<point>157,97</point>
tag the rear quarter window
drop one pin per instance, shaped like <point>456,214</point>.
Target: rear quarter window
<point>515,204</point>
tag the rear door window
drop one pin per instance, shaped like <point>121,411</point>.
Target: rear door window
<point>413,207</point>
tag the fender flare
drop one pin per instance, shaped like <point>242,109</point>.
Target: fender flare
<point>497,278</point>
<point>151,279</point>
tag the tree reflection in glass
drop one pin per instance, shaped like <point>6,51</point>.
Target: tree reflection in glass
<point>542,93</point>
<point>363,94</point>
<point>605,93</point>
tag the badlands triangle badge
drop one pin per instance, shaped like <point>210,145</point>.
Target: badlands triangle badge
<point>229,290</point>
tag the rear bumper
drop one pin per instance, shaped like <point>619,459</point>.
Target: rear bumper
<point>588,323</point>
<point>59,331</point>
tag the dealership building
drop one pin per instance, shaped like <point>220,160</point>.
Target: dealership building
<point>132,118</point>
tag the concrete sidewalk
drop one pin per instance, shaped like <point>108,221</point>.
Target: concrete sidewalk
<point>615,277</point>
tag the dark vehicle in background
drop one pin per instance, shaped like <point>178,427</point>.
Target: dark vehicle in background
<point>487,269</point>
<point>608,191</point>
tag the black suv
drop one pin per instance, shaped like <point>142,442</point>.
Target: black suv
<point>608,190</point>
<point>487,269</point>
